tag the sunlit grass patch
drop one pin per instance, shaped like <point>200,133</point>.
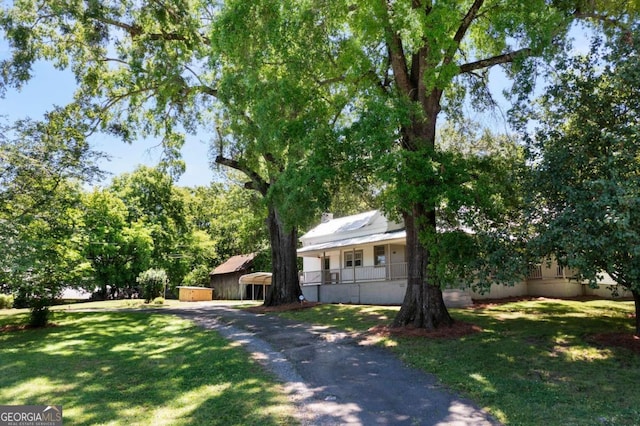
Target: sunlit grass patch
<point>347,317</point>
<point>137,368</point>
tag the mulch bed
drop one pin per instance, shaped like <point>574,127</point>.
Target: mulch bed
<point>622,340</point>
<point>457,330</point>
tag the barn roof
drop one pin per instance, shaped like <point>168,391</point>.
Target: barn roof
<point>237,263</point>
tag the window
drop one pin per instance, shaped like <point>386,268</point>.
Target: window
<point>379,256</point>
<point>353,258</point>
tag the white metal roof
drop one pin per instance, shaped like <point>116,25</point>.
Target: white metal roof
<point>341,225</point>
<point>256,278</point>
<point>367,239</point>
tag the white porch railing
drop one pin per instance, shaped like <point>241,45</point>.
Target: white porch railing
<point>395,271</point>
<point>535,272</point>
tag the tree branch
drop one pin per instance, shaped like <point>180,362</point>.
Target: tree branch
<point>396,54</point>
<point>257,183</point>
<point>204,90</point>
<point>578,14</point>
<point>467,20</point>
<point>462,30</point>
<point>136,31</point>
<point>494,60</point>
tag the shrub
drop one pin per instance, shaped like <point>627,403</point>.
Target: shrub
<point>152,281</point>
<point>158,301</point>
<point>39,316</point>
<point>6,301</point>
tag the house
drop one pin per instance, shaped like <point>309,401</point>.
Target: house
<point>224,278</point>
<point>362,259</point>
<point>359,259</point>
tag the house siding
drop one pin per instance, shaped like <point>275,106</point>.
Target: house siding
<point>375,293</point>
<point>499,291</point>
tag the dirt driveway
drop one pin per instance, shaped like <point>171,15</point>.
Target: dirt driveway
<point>334,378</point>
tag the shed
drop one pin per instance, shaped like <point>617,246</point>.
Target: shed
<point>194,294</point>
<point>224,278</point>
<point>255,284</point>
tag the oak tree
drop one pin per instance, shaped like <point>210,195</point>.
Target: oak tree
<point>423,59</point>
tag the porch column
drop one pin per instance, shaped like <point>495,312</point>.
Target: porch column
<point>323,273</point>
<point>341,267</point>
<point>387,261</point>
<point>353,263</point>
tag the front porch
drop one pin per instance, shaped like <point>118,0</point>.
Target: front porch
<point>391,272</point>
<point>367,285</point>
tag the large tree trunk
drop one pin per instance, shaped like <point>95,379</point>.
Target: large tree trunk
<point>285,282</point>
<point>423,305</point>
<point>636,298</point>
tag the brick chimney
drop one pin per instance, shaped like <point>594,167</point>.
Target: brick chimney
<point>326,217</point>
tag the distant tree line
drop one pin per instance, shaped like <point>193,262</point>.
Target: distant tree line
<point>57,234</point>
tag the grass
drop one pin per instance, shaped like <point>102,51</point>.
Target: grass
<point>135,368</point>
<point>534,362</point>
<point>128,304</point>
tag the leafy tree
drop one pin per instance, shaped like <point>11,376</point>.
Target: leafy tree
<point>232,217</point>
<point>481,229</point>
<point>278,122</point>
<point>117,249</point>
<point>40,165</point>
<point>51,258</point>
<point>226,220</point>
<point>153,202</point>
<point>199,276</point>
<point>586,153</point>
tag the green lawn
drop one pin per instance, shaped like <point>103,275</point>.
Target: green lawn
<point>135,368</point>
<point>533,364</point>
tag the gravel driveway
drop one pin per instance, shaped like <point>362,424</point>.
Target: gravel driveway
<point>334,378</point>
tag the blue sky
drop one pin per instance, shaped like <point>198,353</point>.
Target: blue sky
<point>51,87</point>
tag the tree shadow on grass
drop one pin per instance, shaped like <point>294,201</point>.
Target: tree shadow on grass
<point>138,368</point>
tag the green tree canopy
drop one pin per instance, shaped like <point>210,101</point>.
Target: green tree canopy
<point>287,78</point>
<point>153,201</point>
<point>153,69</point>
